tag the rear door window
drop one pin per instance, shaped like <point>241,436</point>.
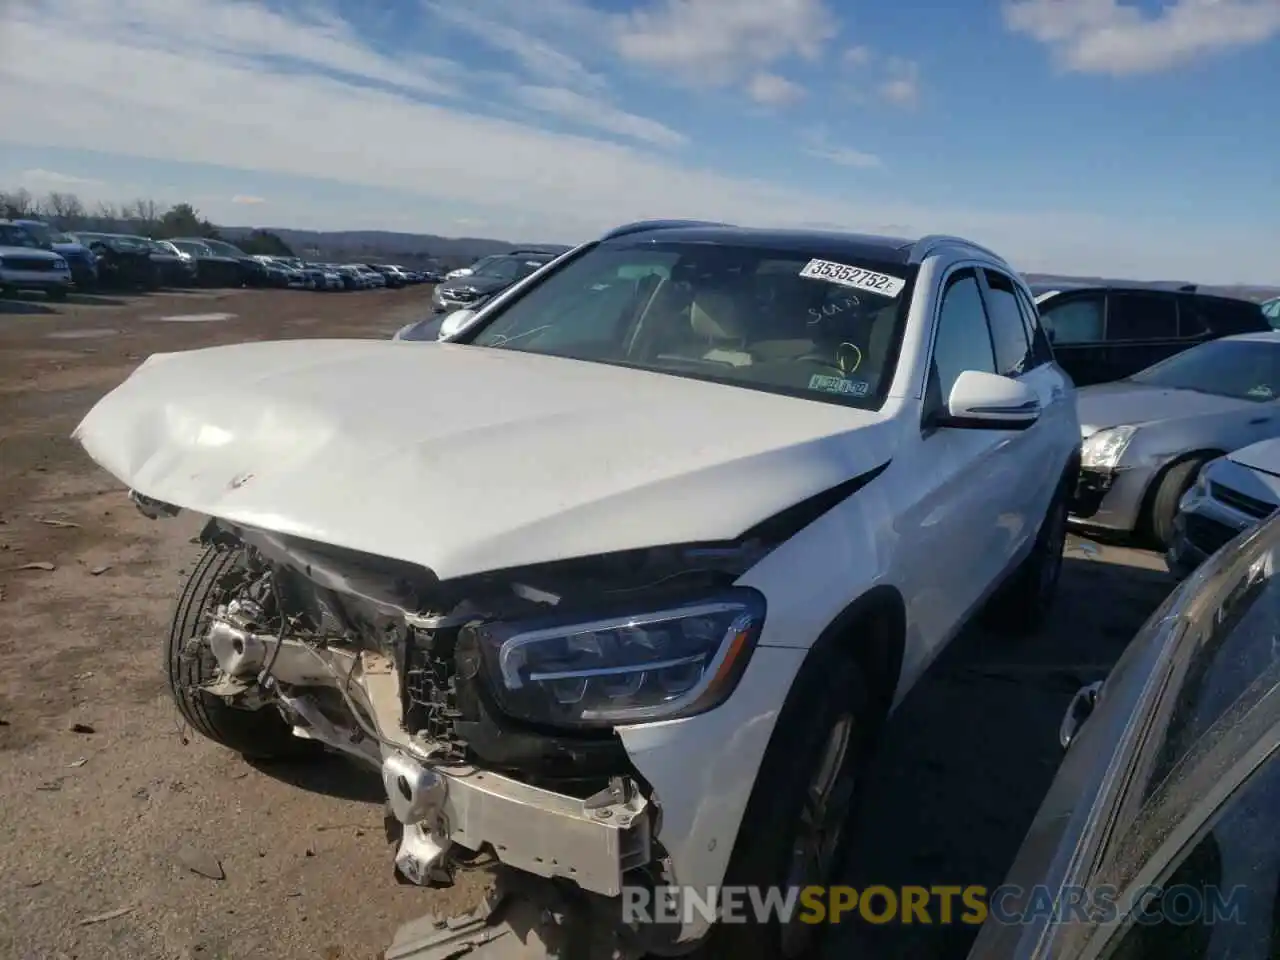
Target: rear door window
<point>1078,320</point>
<point>1041,352</point>
<point>1193,319</point>
<point>1141,316</point>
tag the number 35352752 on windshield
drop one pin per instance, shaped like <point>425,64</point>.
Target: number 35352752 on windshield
<point>858,278</point>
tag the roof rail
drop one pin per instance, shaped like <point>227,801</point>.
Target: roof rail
<point>642,226</point>
<point>935,241</point>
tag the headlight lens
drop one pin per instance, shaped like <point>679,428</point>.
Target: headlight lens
<point>659,664</point>
<point>60,264</point>
<point>1105,448</point>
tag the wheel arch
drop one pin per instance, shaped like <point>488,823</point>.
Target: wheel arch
<point>880,654</point>
<point>1148,495</point>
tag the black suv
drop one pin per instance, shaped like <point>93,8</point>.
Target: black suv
<point>1107,332</point>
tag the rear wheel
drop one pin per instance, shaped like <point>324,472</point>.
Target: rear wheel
<point>57,294</point>
<point>1023,602</point>
<point>260,734</point>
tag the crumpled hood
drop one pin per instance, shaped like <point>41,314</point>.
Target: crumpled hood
<point>467,459</point>
<point>1117,404</point>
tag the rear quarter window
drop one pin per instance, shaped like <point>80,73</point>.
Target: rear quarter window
<point>1231,316</point>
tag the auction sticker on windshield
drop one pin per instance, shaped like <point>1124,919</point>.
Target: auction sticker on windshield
<point>855,277</point>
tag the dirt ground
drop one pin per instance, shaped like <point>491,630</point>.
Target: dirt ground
<point>111,820</point>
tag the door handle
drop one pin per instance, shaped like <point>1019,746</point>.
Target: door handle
<point>1078,711</point>
<point>1259,420</point>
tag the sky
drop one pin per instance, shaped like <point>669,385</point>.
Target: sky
<point>1111,137</point>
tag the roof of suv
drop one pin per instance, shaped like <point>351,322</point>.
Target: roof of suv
<point>858,246</point>
<point>1041,288</point>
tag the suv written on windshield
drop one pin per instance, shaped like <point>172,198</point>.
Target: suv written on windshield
<point>715,499</point>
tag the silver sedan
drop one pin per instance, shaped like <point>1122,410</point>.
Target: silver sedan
<point>1146,438</point>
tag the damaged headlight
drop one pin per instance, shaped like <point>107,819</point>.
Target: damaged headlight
<point>647,665</point>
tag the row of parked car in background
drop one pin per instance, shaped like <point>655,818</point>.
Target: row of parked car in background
<point>36,256</point>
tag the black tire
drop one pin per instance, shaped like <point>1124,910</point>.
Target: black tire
<point>1172,484</point>
<point>257,734</point>
<point>1024,601</point>
<point>57,295</point>
<point>830,689</point>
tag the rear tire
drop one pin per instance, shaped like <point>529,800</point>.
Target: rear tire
<point>57,295</point>
<point>257,734</point>
<point>1024,601</point>
<point>1173,483</point>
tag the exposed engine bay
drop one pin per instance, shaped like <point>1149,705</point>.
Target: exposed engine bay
<point>491,749</point>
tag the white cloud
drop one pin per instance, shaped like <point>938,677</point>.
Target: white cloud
<point>536,55</point>
<point>901,86</point>
<point>720,41</point>
<point>771,90</point>
<point>844,156</point>
<point>817,144</point>
<point>1111,37</point>
<point>245,200</point>
<point>858,56</point>
<point>432,163</point>
<point>53,180</point>
<point>595,113</point>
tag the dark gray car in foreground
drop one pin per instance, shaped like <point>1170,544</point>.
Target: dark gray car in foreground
<point>1157,840</point>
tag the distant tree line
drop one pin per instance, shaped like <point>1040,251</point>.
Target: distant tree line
<point>144,218</point>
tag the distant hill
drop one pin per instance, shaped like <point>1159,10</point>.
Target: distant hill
<point>407,249</point>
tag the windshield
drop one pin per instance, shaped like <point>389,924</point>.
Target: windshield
<point>804,324</point>
<point>12,235</point>
<point>42,233</point>
<point>1243,369</point>
<point>508,268</point>
<point>187,246</point>
<point>224,249</point>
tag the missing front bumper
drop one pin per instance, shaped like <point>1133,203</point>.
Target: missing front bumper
<point>592,842</point>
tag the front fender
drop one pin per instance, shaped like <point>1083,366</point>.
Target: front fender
<point>703,768</point>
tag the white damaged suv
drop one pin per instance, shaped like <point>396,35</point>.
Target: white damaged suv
<point>617,587</point>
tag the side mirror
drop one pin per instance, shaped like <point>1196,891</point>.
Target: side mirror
<point>455,323</point>
<point>1048,332</point>
<point>1078,711</point>
<point>988,401</point>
